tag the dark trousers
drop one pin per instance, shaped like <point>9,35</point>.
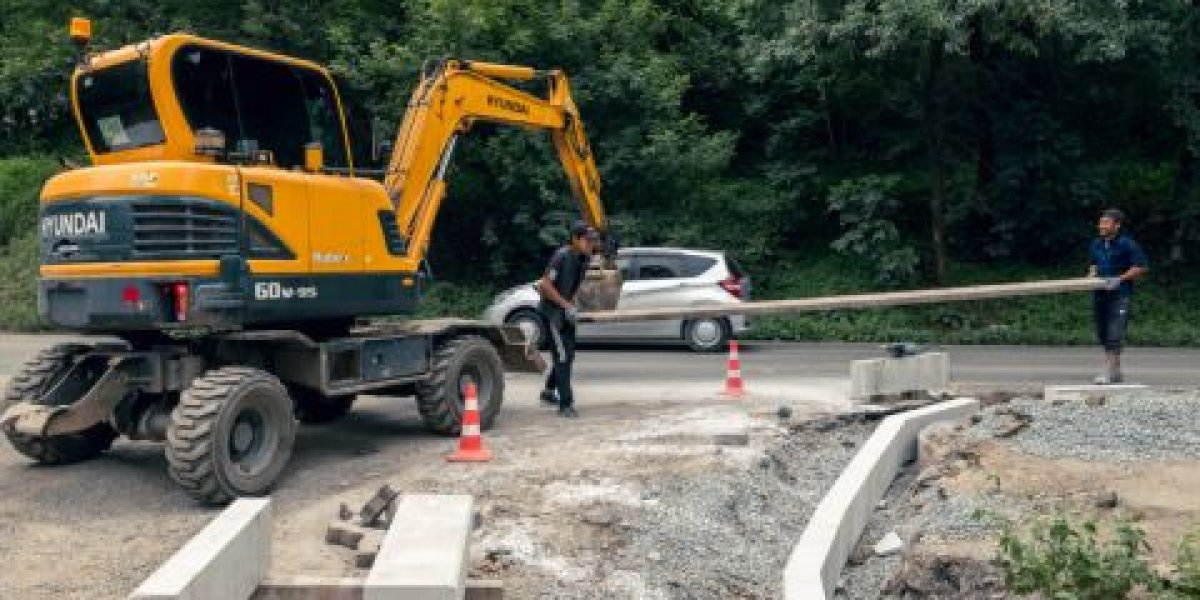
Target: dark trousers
<point>1111,311</point>
<point>562,349</point>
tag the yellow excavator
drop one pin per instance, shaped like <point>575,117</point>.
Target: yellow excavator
<point>226,241</point>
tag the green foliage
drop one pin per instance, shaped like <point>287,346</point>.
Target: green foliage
<point>916,137</point>
<point>446,299</point>
<point>1063,560</point>
<point>867,208</point>
<point>1186,583</point>
<point>1165,312</point>
<point>21,179</point>
<point>18,284</point>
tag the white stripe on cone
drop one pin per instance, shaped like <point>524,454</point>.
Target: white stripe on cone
<point>470,430</point>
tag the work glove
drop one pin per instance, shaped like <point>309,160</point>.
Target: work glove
<point>572,314</point>
<point>1112,283</point>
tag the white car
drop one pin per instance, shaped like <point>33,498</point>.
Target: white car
<point>654,278</point>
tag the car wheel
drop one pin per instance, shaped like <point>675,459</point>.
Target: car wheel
<point>530,323</point>
<point>706,335</point>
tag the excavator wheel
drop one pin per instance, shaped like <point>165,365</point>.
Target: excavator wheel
<point>231,434</point>
<point>314,408</point>
<point>37,376</point>
<point>457,362</point>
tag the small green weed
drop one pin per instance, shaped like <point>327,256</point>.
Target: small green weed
<point>1065,560</point>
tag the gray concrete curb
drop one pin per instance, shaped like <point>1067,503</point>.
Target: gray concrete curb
<point>816,561</point>
<point>227,559</point>
<point>424,555</point>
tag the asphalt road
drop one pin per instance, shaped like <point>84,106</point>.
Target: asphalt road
<point>968,364</point>
<point>790,361</point>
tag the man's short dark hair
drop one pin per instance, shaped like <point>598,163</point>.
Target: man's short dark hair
<point>582,229</point>
<point>1113,213</point>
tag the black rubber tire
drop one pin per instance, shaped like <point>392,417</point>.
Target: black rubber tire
<point>205,424</point>
<point>440,399</point>
<point>534,319</point>
<point>689,331</point>
<point>314,408</point>
<point>34,378</point>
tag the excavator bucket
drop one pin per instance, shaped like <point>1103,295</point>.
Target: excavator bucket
<point>600,290</point>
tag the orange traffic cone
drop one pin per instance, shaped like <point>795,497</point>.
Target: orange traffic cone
<point>470,443</point>
<point>733,377</point>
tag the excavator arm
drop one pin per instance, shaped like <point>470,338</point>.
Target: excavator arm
<point>453,95</point>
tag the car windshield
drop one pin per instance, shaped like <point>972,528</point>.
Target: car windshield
<point>116,108</point>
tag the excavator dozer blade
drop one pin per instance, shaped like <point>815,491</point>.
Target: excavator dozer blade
<point>600,290</point>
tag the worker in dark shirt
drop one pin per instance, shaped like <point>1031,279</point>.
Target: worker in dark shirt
<point>558,288</point>
<point>1117,258</point>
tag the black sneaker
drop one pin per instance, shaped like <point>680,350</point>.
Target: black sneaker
<point>549,397</point>
<point>568,412</point>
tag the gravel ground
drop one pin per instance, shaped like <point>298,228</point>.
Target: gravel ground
<point>1121,427</point>
<point>720,527</point>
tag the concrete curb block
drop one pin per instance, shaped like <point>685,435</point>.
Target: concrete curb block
<point>1055,393</point>
<point>816,561</point>
<point>424,555</point>
<point>889,376</point>
<point>227,559</point>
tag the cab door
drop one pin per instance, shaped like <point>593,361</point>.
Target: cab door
<point>336,219</point>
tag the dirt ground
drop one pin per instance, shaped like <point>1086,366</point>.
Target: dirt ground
<point>651,500</point>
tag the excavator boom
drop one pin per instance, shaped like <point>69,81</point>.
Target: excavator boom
<point>453,95</point>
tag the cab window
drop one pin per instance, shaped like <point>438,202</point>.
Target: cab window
<point>259,104</point>
<point>116,108</point>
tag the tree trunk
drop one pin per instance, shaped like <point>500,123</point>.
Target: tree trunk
<point>985,139</point>
<point>933,143</point>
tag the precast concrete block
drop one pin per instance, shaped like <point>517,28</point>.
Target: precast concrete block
<point>1076,393</point>
<point>226,560</point>
<point>891,376</point>
<point>424,552</point>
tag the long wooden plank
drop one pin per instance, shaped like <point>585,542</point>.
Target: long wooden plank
<point>853,301</point>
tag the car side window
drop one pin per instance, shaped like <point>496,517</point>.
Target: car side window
<point>658,267</point>
<point>693,266</point>
<point>625,266</point>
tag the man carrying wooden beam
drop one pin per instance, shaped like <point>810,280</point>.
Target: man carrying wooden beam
<point>558,288</point>
<point>1117,258</point>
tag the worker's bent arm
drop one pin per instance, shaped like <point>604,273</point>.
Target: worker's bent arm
<point>1133,273</point>
<point>548,291</point>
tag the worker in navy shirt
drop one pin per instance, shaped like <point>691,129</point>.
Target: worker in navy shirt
<point>558,288</point>
<point>1117,258</point>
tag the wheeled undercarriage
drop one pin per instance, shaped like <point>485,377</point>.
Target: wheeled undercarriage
<point>226,405</point>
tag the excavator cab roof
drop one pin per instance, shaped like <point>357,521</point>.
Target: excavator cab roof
<point>183,97</point>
